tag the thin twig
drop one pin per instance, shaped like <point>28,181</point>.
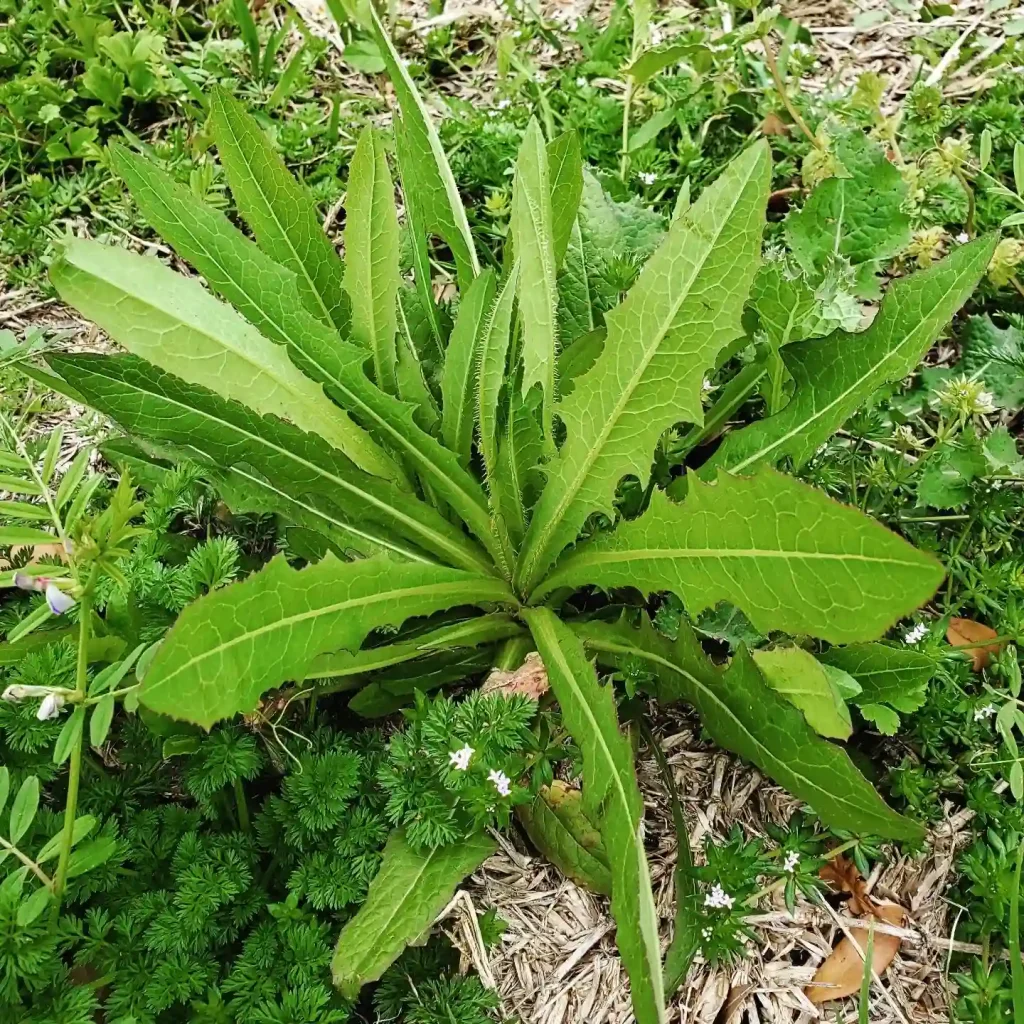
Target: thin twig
<point>780,87</point>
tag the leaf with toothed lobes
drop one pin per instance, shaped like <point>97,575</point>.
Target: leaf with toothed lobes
<point>491,366</point>
<point>836,375</point>
<point>532,232</point>
<point>786,555</point>
<point>742,713</point>
<point>372,273</point>
<point>289,463</point>
<point>174,323</point>
<point>684,308</point>
<point>611,799</point>
<point>430,188</point>
<point>409,890</point>
<point>458,393</point>
<point>234,644</point>
<point>280,212</point>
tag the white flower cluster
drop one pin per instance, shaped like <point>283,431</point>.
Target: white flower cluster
<point>718,898</point>
<point>502,783</point>
<point>916,635</point>
<point>647,177</point>
<point>985,712</point>
<point>459,760</point>
<point>791,861</point>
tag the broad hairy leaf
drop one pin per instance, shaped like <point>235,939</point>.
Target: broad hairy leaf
<point>565,169</point>
<point>611,798</point>
<point>173,322</point>
<point>491,366</point>
<point>292,465</point>
<point>435,205</point>
<point>744,714</point>
<point>559,828</point>
<point>266,293</point>
<point>408,892</point>
<point>682,310</point>
<point>532,232</point>
<point>996,356</point>
<point>278,209</point>
<point>787,555</point>
<point>577,308</point>
<point>234,644</point>
<point>803,681</point>
<point>836,375</point>
<point>372,256</point>
<point>458,390</point>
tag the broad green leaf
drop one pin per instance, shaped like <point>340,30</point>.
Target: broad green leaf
<point>996,356</point>
<point>565,167</point>
<point>372,257</point>
<point>278,209</point>
<point>836,375</point>
<point>577,308</point>
<point>787,555</point>
<point>460,366</point>
<point>23,510</point>
<point>485,629</point>
<point>559,828</point>
<point>650,129</point>
<point>856,214</point>
<point>514,488</point>
<point>264,292</point>
<point>491,365</point>
<point>784,303</point>
<point>91,855</point>
<point>234,644</point>
<point>70,735</point>
<point>743,714</point>
<point>5,786</point>
<point>532,232</point>
<point>682,310</point>
<point>100,719</point>
<point>950,472</point>
<point>31,908</point>
<point>650,62</point>
<point>576,359</point>
<point>431,193</point>
<point>50,455</point>
<point>411,372</point>
<point>891,679</point>
<point>173,322</point>
<point>611,798</point>
<point>803,681</point>
<point>23,810</point>
<point>292,466</point>
<point>72,478</point>
<point>83,826</point>
<point>408,892</point>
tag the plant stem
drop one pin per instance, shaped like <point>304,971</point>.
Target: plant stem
<point>71,803</point>
<point>966,186</point>
<point>243,808</point>
<point>28,862</point>
<point>780,87</point>
<point>627,103</point>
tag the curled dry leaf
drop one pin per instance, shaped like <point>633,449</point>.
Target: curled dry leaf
<point>531,679</point>
<point>841,974</point>
<point>842,874</point>
<point>966,632</point>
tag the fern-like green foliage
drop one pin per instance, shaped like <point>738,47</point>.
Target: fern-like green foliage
<point>554,392</point>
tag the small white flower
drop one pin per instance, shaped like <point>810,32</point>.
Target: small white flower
<point>492,113</point>
<point>58,601</point>
<point>50,707</point>
<point>963,238</point>
<point>647,177</point>
<point>719,898</point>
<point>706,387</point>
<point>705,933</point>
<point>504,104</point>
<point>821,448</point>
<point>986,712</point>
<point>502,783</point>
<point>581,82</point>
<point>916,635</point>
<point>791,861</point>
<point>459,759</point>
<point>985,402</point>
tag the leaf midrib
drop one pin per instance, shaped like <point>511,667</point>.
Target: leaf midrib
<point>547,531</point>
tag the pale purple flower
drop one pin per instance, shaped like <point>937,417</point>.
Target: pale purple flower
<point>58,601</point>
<point>24,581</point>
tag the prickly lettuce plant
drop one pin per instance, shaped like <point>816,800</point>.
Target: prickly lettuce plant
<point>488,473</point>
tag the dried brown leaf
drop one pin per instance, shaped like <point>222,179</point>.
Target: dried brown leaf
<point>531,679</point>
<point>965,632</point>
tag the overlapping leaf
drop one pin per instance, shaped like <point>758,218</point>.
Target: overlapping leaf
<point>785,554</point>
<point>836,375</point>
<point>611,798</point>
<point>743,714</point>
<point>234,644</point>
<point>291,464</point>
<point>684,308</point>
<point>409,891</point>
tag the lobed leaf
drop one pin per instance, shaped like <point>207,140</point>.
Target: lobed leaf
<point>743,714</point>
<point>804,682</point>
<point>785,554</point>
<point>836,375</point>
<point>408,892</point>
<point>611,798</point>
<point>372,255</point>
<point>278,209</point>
<point>565,167</point>
<point>234,644</point>
<point>683,309</point>
<point>491,369</point>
